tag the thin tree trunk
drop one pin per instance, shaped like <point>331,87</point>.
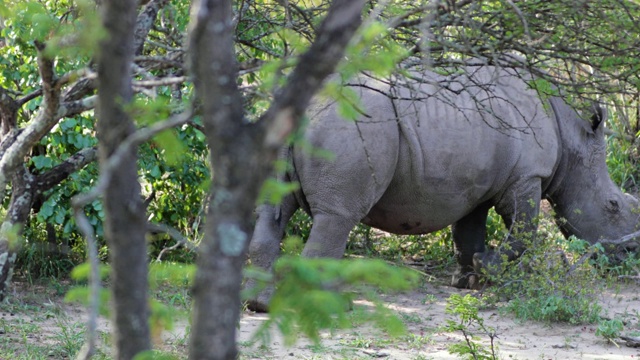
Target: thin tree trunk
<point>125,213</point>
<point>8,115</point>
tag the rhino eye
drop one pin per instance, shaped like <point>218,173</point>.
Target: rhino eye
<point>613,206</point>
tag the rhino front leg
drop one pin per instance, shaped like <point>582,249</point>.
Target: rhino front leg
<point>265,246</point>
<point>519,208</point>
<point>469,235</point>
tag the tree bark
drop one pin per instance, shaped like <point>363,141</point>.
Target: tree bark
<point>124,212</point>
<point>242,154</point>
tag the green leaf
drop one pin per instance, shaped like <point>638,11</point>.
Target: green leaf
<point>173,148</point>
<point>60,216</point>
<point>273,191</point>
<point>46,210</point>
<point>349,105</point>
<point>82,295</point>
<point>83,271</point>
<point>42,162</point>
<point>155,171</point>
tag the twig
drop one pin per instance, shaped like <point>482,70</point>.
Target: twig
<point>174,234</point>
<point>161,82</point>
<point>617,242</point>
<point>631,341</point>
<point>88,349</point>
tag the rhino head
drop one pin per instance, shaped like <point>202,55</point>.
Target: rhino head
<point>588,204</point>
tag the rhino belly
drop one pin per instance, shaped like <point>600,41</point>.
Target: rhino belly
<point>413,213</point>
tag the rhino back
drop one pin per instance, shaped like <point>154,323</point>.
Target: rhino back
<point>464,146</point>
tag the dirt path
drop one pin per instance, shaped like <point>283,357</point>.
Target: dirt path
<point>424,314</point>
<point>39,325</point>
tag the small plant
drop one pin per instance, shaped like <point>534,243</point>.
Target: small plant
<point>469,322</point>
<point>610,330</point>
<point>410,318</point>
<point>70,338</point>
<point>415,341</point>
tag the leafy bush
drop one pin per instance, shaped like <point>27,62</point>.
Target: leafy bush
<point>469,323</point>
<point>316,294</point>
<point>549,283</point>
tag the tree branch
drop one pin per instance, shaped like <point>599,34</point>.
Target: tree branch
<point>39,126</point>
<point>161,82</point>
<point>71,108</point>
<point>144,23</point>
<point>341,22</point>
<point>61,171</point>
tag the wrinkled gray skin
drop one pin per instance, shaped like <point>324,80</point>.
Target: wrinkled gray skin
<point>435,157</point>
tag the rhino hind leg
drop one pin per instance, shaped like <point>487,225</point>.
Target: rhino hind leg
<point>469,235</point>
<point>265,247</point>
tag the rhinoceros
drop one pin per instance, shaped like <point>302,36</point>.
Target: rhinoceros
<point>433,150</point>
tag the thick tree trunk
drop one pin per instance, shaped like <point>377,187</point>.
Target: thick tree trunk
<point>22,195</point>
<point>241,156</point>
<point>217,284</point>
<point>125,214</point>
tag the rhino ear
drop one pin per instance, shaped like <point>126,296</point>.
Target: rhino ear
<point>598,117</point>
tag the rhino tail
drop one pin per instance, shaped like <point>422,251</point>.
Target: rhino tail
<point>285,155</point>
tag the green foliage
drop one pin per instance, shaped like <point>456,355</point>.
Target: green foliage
<point>82,272</point>
<point>273,191</point>
<point>170,273</point>
<point>40,259</point>
<point>155,355</point>
<point>544,285</point>
<point>70,338</point>
<point>299,225</point>
<point>469,323</point>
<point>372,51</point>
<point>622,160</point>
<point>71,31</point>
<point>610,329</point>
<point>315,294</point>
<point>179,187</point>
<point>162,316</point>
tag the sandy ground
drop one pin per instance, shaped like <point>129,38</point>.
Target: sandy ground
<point>423,312</point>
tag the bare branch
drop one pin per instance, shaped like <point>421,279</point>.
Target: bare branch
<point>166,61</point>
<point>175,234</point>
<point>145,21</point>
<point>623,240</point>
<point>341,22</point>
<point>25,99</point>
<point>61,171</point>
<point>81,88</point>
<point>72,108</point>
<point>161,82</point>
<point>89,348</point>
